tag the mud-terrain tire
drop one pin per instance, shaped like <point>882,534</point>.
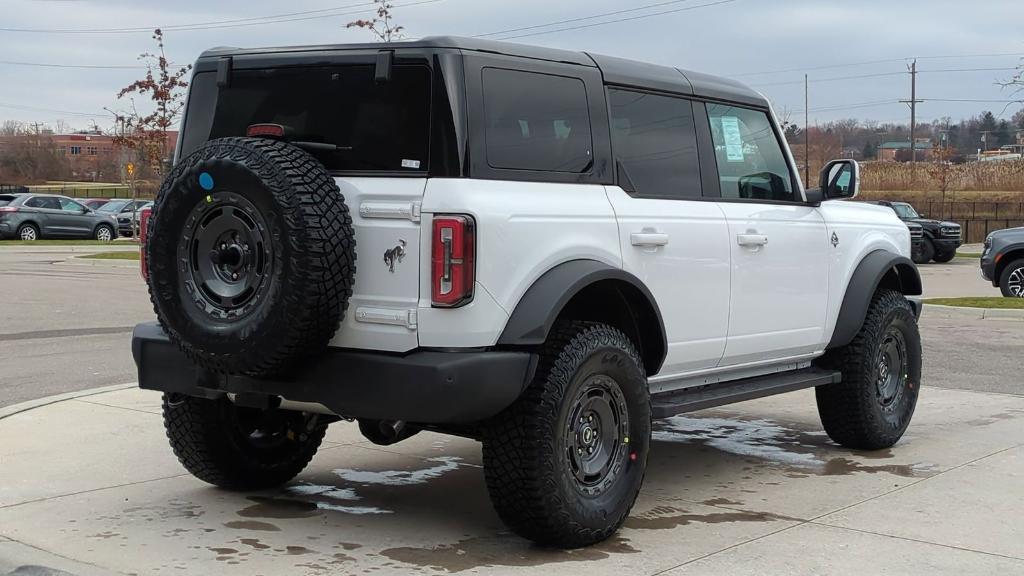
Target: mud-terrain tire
<point>872,406</point>
<point>943,257</point>
<point>590,377</point>
<point>240,448</point>
<point>1011,280</point>
<point>251,256</point>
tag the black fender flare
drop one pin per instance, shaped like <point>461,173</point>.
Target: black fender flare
<point>535,314</point>
<point>870,273</point>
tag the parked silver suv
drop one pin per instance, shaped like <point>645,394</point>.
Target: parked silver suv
<point>34,216</point>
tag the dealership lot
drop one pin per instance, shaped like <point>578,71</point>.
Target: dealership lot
<point>89,486</point>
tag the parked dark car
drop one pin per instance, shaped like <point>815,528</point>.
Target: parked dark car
<point>916,240</point>
<point>34,216</point>
<point>93,203</point>
<point>1002,261</point>
<point>941,238</point>
<point>128,220</point>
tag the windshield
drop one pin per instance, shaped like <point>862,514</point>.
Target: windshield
<point>113,206</point>
<point>905,211</point>
<point>376,126</point>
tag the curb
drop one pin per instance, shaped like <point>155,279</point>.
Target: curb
<point>40,402</point>
<point>92,249</point>
<point>973,313</point>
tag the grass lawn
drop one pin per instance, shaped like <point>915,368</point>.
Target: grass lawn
<point>62,243</point>
<point>133,255</point>
<point>980,302</point>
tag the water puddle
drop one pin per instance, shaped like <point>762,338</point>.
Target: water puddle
<point>252,525</point>
<point>668,517</point>
<point>497,551</point>
<point>802,453</point>
<point>401,477</point>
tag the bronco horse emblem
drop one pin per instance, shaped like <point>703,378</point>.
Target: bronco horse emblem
<point>394,255</point>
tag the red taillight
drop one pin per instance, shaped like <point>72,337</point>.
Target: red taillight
<point>453,252</point>
<point>144,215</point>
<point>8,208</point>
<point>256,130</point>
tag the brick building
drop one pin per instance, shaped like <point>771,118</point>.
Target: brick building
<point>893,151</point>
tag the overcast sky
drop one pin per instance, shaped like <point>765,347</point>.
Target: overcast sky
<point>776,39</point>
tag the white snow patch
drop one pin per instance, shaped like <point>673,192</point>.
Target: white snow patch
<point>328,491</point>
<point>401,477</point>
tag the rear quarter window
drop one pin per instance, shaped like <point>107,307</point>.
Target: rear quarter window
<point>377,126</point>
<point>536,121</point>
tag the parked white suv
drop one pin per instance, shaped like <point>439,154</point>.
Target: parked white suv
<point>555,248</point>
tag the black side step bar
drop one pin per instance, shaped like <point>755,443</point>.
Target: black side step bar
<point>667,404</point>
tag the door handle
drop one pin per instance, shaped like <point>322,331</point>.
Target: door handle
<point>752,240</point>
<point>648,239</point>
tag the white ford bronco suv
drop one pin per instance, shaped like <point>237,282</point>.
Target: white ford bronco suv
<point>554,249</point>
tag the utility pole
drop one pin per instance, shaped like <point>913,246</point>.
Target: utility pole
<point>913,116</point>
<point>807,137</point>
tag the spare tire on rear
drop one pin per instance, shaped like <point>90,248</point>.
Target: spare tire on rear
<point>251,256</point>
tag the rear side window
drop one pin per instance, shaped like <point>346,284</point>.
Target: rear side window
<point>751,163</point>
<point>377,126</point>
<point>5,200</point>
<point>536,121</point>
<point>654,139</point>
<point>43,202</point>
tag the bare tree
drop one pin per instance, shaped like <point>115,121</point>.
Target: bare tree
<point>382,25</point>
<point>145,133</point>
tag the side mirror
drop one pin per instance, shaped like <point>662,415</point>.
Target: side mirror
<point>840,179</point>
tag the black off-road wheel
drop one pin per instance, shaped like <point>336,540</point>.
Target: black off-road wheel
<point>943,257</point>
<point>251,254</point>
<point>240,448</point>
<point>872,406</point>
<point>565,462</point>
<point>1011,280</point>
<point>927,252</point>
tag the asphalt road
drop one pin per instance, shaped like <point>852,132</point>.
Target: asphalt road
<point>67,327</point>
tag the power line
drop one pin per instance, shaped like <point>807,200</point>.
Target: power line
<point>973,100</point>
<point>615,21</point>
<point>236,23</point>
<point>49,110</point>
<point>83,66</point>
<point>870,62</point>
<point>834,79</point>
<point>580,19</point>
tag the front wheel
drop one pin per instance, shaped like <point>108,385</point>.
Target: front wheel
<point>1011,281</point>
<point>927,252</point>
<point>943,257</point>
<point>565,462</point>
<point>873,404</point>
<point>240,448</point>
<point>104,233</point>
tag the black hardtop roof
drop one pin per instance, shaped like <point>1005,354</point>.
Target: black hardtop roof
<point>617,71</point>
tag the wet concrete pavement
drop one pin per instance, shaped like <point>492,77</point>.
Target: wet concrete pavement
<point>90,486</point>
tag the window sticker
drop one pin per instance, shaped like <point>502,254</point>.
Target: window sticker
<point>733,141</point>
<point>414,164</point>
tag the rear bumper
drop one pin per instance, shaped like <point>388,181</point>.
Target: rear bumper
<point>423,386</point>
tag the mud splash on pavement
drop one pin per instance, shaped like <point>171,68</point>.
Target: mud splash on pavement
<point>497,551</point>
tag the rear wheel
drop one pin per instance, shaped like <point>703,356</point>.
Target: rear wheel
<point>240,448</point>
<point>28,233</point>
<point>564,464</point>
<point>1011,281</point>
<point>873,404</point>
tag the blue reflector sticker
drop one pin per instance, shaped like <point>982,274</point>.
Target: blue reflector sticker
<point>206,181</point>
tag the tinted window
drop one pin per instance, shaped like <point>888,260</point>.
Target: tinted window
<point>751,163</point>
<point>5,200</point>
<point>536,121</point>
<point>654,139</point>
<point>43,202</point>
<point>377,126</point>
